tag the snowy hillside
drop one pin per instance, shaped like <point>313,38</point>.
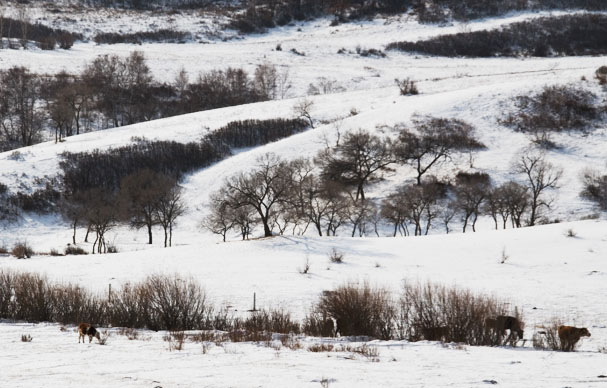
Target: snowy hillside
<point>550,271</point>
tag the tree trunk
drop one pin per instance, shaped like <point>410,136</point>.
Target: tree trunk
<point>149,233</point>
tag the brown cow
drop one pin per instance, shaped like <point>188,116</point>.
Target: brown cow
<point>87,329</point>
<point>570,336</point>
<point>501,323</point>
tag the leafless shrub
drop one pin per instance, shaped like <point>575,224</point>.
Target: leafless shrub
<point>320,348</point>
<point>407,86</point>
<point>359,310</point>
<point>595,187</point>
<point>336,256</point>
<point>26,338</point>
<point>75,250</point>
<point>176,340</point>
<point>318,324</point>
<point>271,321</point>
<point>601,75</point>
<point>22,250</point>
<point>547,337</point>
<point>306,267</point>
<point>571,233</point>
<point>128,332</point>
<point>554,109</point>
<point>55,252</point>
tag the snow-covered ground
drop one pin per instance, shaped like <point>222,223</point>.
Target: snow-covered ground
<point>547,273</point>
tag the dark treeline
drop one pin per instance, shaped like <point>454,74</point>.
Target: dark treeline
<point>105,169</point>
<point>569,35</point>
<point>163,35</point>
<point>24,31</point>
<point>114,91</point>
<point>250,133</point>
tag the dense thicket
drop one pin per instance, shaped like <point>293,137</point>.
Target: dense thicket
<point>249,133</point>
<point>569,35</point>
<point>163,35</point>
<point>105,169</point>
<point>25,31</point>
<point>555,108</point>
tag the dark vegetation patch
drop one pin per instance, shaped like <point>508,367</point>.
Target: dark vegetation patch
<point>555,108</point>
<point>569,35</point>
<point>105,169</point>
<point>45,36</point>
<point>163,35</point>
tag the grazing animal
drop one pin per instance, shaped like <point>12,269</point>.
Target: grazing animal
<point>501,323</point>
<point>570,336</point>
<point>87,329</point>
<point>435,333</point>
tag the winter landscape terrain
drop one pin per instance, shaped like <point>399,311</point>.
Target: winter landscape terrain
<point>553,271</point>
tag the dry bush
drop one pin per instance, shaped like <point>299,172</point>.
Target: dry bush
<point>55,252</point>
<point>130,333</point>
<point>407,86</point>
<point>73,304</point>
<point>556,108</point>
<point>7,279</point>
<point>240,335</point>
<point>22,250</point>
<point>336,256</point>
<point>547,338</point>
<point>273,321</point>
<point>452,314</point>
<point>318,324</point>
<point>321,348</point>
<point>601,75</point>
<point>32,298</point>
<point>26,338</point>
<point>4,250</point>
<point>359,310</point>
<point>173,303</point>
<point>176,340</point>
<point>75,250</point>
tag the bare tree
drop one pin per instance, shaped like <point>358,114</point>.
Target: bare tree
<point>541,176</point>
<point>471,192</point>
<point>220,220</point>
<point>595,187</point>
<point>434,141</point>
<point>265,81</point>
<point>141,193</point>
<point>303,109</point>
<point>283,83</point>
<point>23,18</point>
<point>358,160</point>
<point>169,207</point>
<point>101,214</point>
<point>20,116</point>
<point>262,189</point>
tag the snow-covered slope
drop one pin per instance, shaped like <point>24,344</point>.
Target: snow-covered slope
<point>547,273</point>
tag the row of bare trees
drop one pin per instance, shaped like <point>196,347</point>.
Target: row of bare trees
<point>328,192</point>
<point>114,91</point>
<point>145,199</point>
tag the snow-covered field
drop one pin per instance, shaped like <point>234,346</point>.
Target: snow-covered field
<point>547,273</point>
